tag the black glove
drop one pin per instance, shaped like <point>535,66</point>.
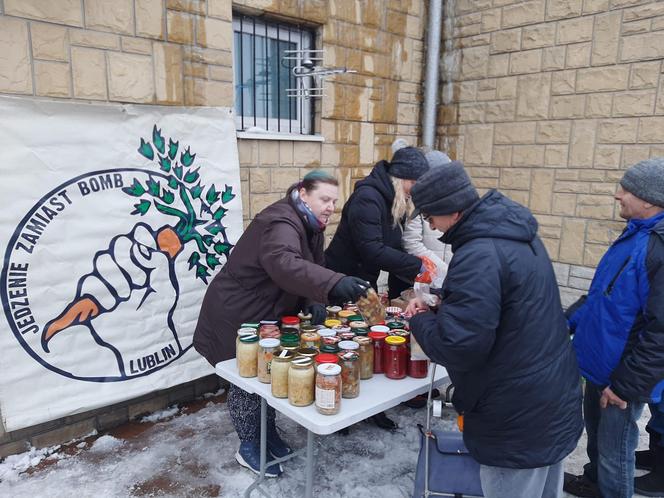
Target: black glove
<point>349,289</point>
<point>318,313</point>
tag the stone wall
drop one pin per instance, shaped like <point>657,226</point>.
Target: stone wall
<point>549,101</point>
<point>179,52</point>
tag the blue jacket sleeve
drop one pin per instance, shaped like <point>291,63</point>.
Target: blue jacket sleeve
<point>640,374</point>
<point>462,333</point>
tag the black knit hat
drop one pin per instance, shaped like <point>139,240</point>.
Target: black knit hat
<point>408,163</point>
<point>646,180</point>
<point>445,189</point>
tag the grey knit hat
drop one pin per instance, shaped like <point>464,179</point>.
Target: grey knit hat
<point>408,163</point>
<point>437,158</point>
<point>444,189</point>
<point>646,180</point>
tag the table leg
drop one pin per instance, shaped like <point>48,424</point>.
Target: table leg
<point>310,465</point>
<point>263,437</point>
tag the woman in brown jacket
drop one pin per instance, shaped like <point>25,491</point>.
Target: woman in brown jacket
<point>274,270</point>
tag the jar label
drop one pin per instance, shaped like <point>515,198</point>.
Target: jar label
<point>325,398</point>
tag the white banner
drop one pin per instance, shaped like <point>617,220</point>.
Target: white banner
<point>115,219</point>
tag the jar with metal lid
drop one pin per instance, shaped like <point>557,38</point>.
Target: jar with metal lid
<point>310,340</point>
<point>329,348</point>
<point>346,336</point>
<point>301,382</point>
<point>266,349</point>
<point>330,323</point>
<point>378,339</point>
<point>396,324</point>
<point>379,328</point>
<point>291,322</point>
<point>333,311</point>
<point>366,356</point>
<point>246,356</point>
<point>311,329</point>
<point>327,358</point>
<point>348,346</point>
<point>328,389</point>
<point>358,324</point>
<point>361,331</point>
<point>308,352</point>
<point>343,316</point>
<point>323,333</point>
<point>305,318</point>
<point>401,333</point>
<point>250,325</point>
<point>279,373</point>
<point>351,306</point>
<point>350,373</point>
<point>395,359</point>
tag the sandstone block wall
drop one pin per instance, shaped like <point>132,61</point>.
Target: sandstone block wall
<point>549,101</point>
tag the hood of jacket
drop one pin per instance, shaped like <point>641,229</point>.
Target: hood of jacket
<point>380,180</point>
<point>493,216</point>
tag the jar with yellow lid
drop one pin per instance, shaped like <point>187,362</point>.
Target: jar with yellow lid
<point>301,382</point>
<point>279,372</point>
<point>395,359</point>
<point>332,322</point>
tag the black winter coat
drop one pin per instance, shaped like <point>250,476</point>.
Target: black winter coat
<point>366,240</point>
<point>501,333</point>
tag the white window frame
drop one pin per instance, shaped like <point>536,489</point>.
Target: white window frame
<point>301,123</point>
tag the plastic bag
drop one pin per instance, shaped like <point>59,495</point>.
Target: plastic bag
<point>432,277</point>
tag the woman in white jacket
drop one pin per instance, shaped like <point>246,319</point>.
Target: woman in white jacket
<point>419,239</point>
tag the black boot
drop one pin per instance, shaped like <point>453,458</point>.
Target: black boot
<point>652,484</point>
<point>646,458</point>
<point>382,421</point>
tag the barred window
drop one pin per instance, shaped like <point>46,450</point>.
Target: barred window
<point>262,76</point>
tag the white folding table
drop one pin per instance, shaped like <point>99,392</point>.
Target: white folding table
<point>376,395</point>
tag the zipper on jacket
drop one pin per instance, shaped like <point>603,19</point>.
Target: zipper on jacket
<point>609,288</point>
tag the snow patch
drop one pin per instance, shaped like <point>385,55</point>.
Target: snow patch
<point>161,415</point>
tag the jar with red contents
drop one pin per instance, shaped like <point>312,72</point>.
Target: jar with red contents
<point>290,321</point>
<point>401,333</point>
<point>378,339</point>
<point>395,357</point>
<point>418,368</point>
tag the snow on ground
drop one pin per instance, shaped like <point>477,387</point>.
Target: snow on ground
<point>191,454</point>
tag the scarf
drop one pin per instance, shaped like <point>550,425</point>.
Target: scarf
<point>304,211</point>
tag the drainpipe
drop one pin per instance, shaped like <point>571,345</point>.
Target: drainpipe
<point>431,77</point>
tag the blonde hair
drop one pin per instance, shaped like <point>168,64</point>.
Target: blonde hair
<point>401,205</point>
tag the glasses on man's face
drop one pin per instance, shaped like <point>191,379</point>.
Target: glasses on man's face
<point>426,216</point>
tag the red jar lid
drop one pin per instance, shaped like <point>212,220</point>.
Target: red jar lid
<point>377,336</point>
<point>289,320</point>
<point>327,358</point>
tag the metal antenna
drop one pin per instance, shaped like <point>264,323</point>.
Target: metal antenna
<point>308,75</point>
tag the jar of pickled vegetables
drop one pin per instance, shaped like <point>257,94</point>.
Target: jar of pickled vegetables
<point>333,311</point>
<point>301,382</point>
<point>350,373</point>
<point>305,318</point>
<point>323,333</point>
<point>279,373</point>
<point>269,330</point>
<point>366,352</point>
<point>378,339</point>
<point>343,316</point>
<point>246,356</point>
<point>310,340</point>
<point>358,324</point>
<point>329,348</point>
<point>346,336</point>
<point>371,307</point>
<point>395,358</point>
<point>348,346</point>
<point>290,342</point>
<point>328,389</point>
<point>327,358</point>
<point>266,347</point>
<point>291,322</point>
<point>308,352</point>
<point>243,332</point>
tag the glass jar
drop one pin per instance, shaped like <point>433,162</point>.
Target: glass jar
<point>279,372</point>
<point>351,307</point>
<point>250,325</point>
<point>395,324</point>
<point>301,382</point>
<point>361,331</point>
<point>350,374</point>
<point>332,322</point>
<point>401,333</point>
<point>378,339</point>
<point>246,356</point>
<point>358,324</point>
<point>309,329</point>
<point>328,389</point>
<point>395,358</point>
<point>310,340</point>
<point>333,311</point>
<point>308,352</point>
<point>323,333</point>
<point>371,307</point>
<point>348,346</point>
<point>344,315</point>
<point>266,349</point>
<point>290,322</point>
<point>243,332</point>
<point>329,348</point>
<point>380,328</point>
<point>327,358</point>
<point>393,311</point>
<point>269,330</point>
<point>346,336</point>
<point>305,319</point>
<point>290,342</point>
<point>366,356</point>
<point>418,368</point>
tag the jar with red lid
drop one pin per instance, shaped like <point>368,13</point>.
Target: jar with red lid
<point>290,321</point>
<point>395,357</point>
<point>378,339</point>
<point>326,358</point>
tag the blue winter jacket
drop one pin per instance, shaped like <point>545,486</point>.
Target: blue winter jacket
<point>619,330</point>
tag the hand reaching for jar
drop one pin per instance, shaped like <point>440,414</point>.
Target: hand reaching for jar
<point>349,289</point>
<point>415,306</point>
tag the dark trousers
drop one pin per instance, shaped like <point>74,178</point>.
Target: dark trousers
<point>245,410</point>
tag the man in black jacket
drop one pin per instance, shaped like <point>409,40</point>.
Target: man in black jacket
<point>500,331</point>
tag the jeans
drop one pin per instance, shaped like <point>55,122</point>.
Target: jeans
<point>613,435</point>
<point>543,482</point>
<point>656,422</point>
